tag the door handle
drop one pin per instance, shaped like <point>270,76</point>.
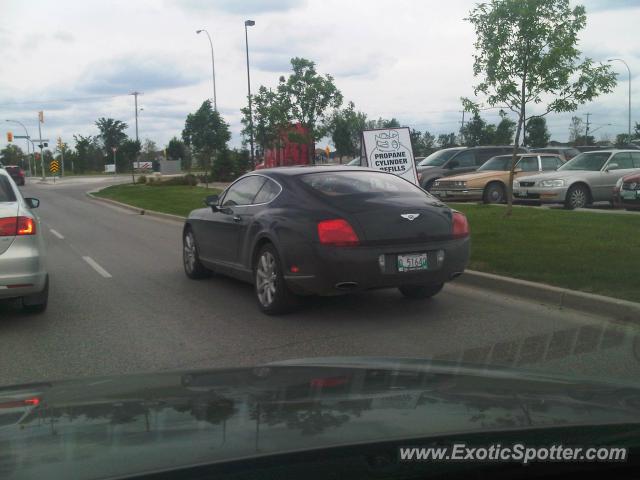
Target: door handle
<point>236,218</point>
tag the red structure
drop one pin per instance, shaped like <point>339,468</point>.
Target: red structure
<point>289,153</point>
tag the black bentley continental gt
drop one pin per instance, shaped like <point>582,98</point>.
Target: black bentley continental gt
<point>297,231</point>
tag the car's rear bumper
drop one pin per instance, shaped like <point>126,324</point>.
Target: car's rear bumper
<point>452,194</point>
<point>339,270</point>
<point>22,268</point>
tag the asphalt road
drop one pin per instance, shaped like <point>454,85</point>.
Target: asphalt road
<point>120,303</point>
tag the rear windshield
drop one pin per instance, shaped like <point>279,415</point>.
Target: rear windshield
<point>12,169</point>
<point>437,159</point>
<point>587,161</point>
<point>341,184</point>
<point>500,164</point>
<point>6,192</point>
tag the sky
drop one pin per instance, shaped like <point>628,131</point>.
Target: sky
<point>79,60</point>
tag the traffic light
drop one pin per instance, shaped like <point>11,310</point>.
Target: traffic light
<point>9,137</point>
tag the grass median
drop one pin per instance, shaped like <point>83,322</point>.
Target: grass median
<point>591,252</point>
<point>177,200</point>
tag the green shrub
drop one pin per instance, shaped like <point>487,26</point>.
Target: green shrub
<point>142,179</point>
<point>189,180</point>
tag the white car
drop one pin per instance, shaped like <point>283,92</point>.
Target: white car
<point>586,178</point>
<point>23,273</point>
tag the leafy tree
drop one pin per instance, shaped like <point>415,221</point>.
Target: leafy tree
<point>206,132</point>
<point>309,97</point>
<point>89,154</point>
<point>477,132</point>
<point>271,117</point>
<point>112,133</point>
<point>241,162</point>
<point>587,140</point>
<point>177,150</point>
<point>149,150</point>
<point>422,144</point>
<point>223,166</point>
<point>623,140</point>
<point>504,131</point>
<point>383,123</point>
<point>576,129</point>
<point>526,53</point>
<point>127,154</point>
<point>345,127</point>
<point>447,140</point>
<point>536,132</point>
<point>12,155</point>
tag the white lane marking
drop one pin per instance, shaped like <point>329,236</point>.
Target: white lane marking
<point>57,234</point>
<point>99,382</point>
<point>97,267</point>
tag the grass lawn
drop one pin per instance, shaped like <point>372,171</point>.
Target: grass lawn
<point>178,200</point>
<point>592,252</point>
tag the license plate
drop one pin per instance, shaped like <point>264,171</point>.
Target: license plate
<point>630,194</point>
<point>412,261</point>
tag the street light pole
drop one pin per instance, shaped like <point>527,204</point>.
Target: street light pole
<point>249,23</point>
<point>213,68</point>
<point>629,72</point>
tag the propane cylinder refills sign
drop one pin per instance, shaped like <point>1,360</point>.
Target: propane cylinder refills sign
<point>389,150</point>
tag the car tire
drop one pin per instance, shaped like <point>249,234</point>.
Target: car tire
<point>272,294</point>
<point>494,193</point>
<point>193,267</point>
<point>577,197</point>
<point>38,302</point>
<point>420,291</point>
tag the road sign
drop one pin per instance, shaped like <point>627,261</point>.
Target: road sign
<point>389,150</point>
<point>54,167</point>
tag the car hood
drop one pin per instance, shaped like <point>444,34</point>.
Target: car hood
<point>476,176</point>
<point>153,422</point>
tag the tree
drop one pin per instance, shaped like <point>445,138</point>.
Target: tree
<point>383,123</point>
<point>536,132</point>
<point>422,144</point>
<point>477,132</point>
<point>271,117</point>
<point>223,166</point>
<point>622,140</point>
<point>206,132</point>
<point>309,97</point>
<point>177,150</point>
<point>89,154</point>
<point>241,162</point>
<point>111,133</point>
<point>149,150</point>
<point>504,131</point>
<point>447,140</point>
<point>345,127</point>
<point>127,154</point>
<point>12,155</point>
<point>526,53</point>
<point>576,129</point>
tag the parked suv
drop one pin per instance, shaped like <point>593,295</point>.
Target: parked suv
<point>565,153</point>
<point>455,161</point>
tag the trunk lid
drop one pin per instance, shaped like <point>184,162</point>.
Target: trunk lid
<point>391,220</point>
<point>7,209</point>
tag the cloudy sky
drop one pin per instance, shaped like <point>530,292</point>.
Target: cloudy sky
<point>411,59</point>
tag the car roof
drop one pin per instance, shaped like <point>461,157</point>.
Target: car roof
<point>304,169</point>
<point>528,154</point>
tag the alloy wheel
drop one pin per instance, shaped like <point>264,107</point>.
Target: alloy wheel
<point>189,253</point>
<point>578,198</point>
<point>266,278</point>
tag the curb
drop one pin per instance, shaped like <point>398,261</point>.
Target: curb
<point>548,294</point>
<point>141,211</point>
<point>618,309</point>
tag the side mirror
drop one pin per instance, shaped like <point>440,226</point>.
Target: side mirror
<point>212,201</point>
<point>454,164</point>
<point>32,202</point>
<point>611,166</point>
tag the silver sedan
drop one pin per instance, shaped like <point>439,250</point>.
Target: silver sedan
<point>587,178</point>
<point>23,274</point>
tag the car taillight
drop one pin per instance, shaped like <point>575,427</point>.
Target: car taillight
<point>460,225</point>
<point>337,232</point>
<point>12,226</point>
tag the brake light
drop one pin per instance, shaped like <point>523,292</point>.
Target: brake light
<point>12,226</point>
<point>337,232</point>
<point>460,225</point>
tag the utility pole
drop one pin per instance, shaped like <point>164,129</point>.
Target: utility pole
<point>40,122</point>
<point>586,134</point>
<point>135,100</point>
<point>249,23</point>
<point>462,127</point>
